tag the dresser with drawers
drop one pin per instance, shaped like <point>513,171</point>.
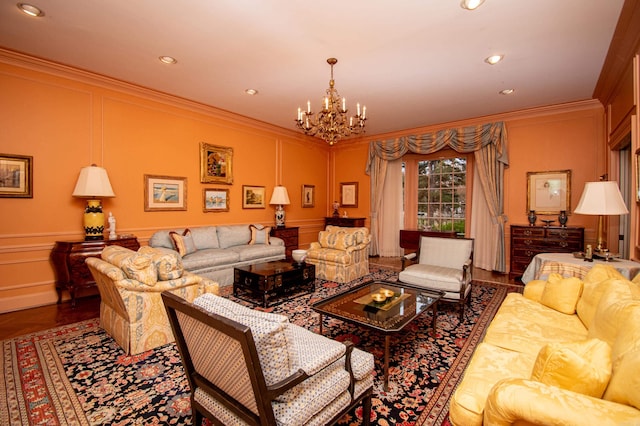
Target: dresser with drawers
<point>527,241</point>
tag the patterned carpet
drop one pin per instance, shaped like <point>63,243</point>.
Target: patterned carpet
<point>77,374</point>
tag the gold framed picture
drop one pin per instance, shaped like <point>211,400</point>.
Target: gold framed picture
<point>308,195</point>
<point>216,164</point>
<point>215,200</point>
<point>16,176</point>
<point>253,197</point>
<point>164,193</point>
<point>349,194</point>
<point>549,192</point>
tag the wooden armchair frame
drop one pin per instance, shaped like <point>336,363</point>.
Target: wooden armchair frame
<point>263,395</point>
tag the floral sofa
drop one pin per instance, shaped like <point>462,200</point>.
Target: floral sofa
<point>565,352</point>
<point>341,254</point>
<point>130,285</point>
<point>213,251</point>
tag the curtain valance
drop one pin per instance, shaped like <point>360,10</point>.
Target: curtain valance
<point>462,139</point>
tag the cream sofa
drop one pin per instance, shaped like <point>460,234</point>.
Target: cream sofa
<point>565,352</point>
<point>130,285</point>
<point>214,251</point>
<point>341,254</point>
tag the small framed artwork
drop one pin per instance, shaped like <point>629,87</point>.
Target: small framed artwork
<point>308,195</point>
<point>216,164</point>
<point>349,194</point>
<point>215,200</point>
<point>549,192</point>
<point>16,176</point>
<point>253,197</point>
<point>163,193</point>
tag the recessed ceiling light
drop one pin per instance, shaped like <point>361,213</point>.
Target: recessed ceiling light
<point>507,91</point>
<point>168,60</point>
<point>30,10</point>
<point>471,4</point>
<point>494,59</point>
<point>251,92</point>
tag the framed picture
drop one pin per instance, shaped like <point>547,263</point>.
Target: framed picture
<point>162,193</point>
<point>349,194</point>
<point>308,195</point>
<point>216,163</point>
<point>549,192</point>
<point>253,197</point>
<point>215,200</point>
<point>16,176</point>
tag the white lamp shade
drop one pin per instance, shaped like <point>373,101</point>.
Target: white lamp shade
<point>601,198</point>
<point>280,196</point>
<point>93,182</point>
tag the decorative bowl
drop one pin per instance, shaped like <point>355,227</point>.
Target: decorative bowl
<point>386,292</point>
<point>299,255</point>
<point>378,297</point>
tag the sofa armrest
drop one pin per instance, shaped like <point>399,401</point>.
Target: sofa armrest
<point>519,400</point>
<point>315,246</point>
<point>409,259</point>
<point>185,280</point>
<point>276,241</point>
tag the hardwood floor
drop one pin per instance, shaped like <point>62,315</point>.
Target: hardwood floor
<point>26,321</point>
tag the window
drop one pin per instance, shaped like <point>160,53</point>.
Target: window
<point>442,194</point>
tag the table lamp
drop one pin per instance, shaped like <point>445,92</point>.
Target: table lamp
<point>280,197</point>
<point>93,182</point>
<point>601,198</point>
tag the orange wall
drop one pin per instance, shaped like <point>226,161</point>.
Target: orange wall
<point>67,119</point>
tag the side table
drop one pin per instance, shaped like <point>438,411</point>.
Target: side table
<point>290,237</point>
<point>68,259</point>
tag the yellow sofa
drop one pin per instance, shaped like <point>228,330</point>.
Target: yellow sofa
<point>565,352</point>
<point>130,285</point>
<point>341,254</point>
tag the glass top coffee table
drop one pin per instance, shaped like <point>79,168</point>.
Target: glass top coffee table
<point>384,306</point>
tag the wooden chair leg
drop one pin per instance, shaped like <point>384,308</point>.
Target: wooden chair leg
<point>366,411</point>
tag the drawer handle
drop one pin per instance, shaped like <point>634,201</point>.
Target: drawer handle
<point>527,232</point>
<point>564,234</point>
<point>530,253</point>
<point>564,244</point>
<point>528,242</point>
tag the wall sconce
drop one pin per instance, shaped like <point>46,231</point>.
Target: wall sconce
<point>280,197</point>
<point>93,182</point>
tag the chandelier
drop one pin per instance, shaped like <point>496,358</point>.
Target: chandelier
<point>331,123</point>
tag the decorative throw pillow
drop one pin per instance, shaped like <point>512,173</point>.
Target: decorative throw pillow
<point>183,243</point>
<point>168,265</point>
<point>259,234</point>
<point>140,267</point>
<point>562,295</point>
<point>583,367</point>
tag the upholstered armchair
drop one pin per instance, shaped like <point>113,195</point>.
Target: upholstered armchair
<point>251,367</point>
<point>130,285</point>
<point>443,264</point>
<point>341,254</point>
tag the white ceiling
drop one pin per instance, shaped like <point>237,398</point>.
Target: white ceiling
<point>411,62</point>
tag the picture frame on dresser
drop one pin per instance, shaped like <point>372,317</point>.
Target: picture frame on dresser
<point>549,192</point>
<point>16,176</point>
<point>165,193</point>
<point>216,164</point>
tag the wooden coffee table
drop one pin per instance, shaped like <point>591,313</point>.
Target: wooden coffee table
<point>388,317</point>
<point>269,283</point>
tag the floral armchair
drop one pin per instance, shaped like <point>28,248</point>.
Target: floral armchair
<point>341,254</point>
<point>247,367</point>
<point>130,285</point>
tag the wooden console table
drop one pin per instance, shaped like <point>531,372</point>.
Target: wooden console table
<point>527,241</point>
<point>351,222</point>
<point>410,238</point>
<point>68,259</point>
<point>289,234</point>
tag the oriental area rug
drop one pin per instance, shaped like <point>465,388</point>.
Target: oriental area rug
<point>78,375</point>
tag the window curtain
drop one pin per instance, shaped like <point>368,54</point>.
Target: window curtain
<point>389,213</point>
<point>488,142</point>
